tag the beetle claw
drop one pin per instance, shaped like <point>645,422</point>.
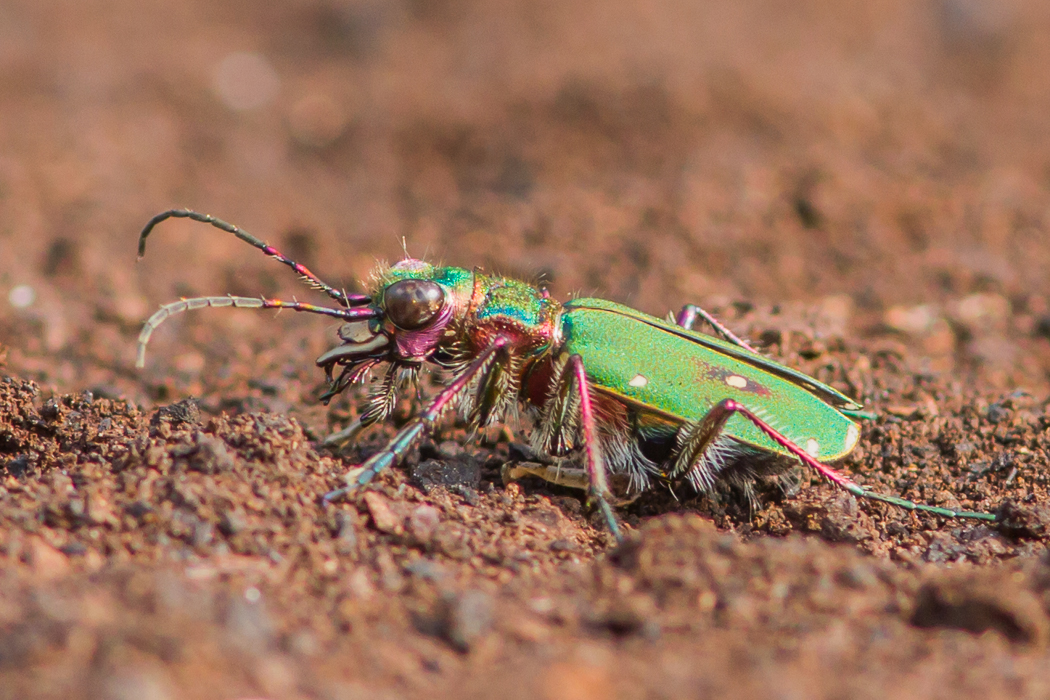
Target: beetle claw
<point>351,486</point>
<point>333,496</point>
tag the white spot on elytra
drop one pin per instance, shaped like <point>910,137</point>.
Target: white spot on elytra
<point>736,380</point>
<point>852,435</point>
<point>638,381</point>
<point>812,448</point>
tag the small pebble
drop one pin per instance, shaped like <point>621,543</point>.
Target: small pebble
<point>423,521</point>
<point>47,562</point>
<point>383,516</point>
<point>469,618</point>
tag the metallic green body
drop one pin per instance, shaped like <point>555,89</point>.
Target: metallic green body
<point>680,375</point>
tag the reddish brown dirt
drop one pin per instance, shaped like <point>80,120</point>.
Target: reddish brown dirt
<point>863,188</point>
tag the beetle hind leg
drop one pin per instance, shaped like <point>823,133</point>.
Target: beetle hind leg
<point>706,457</point>
<point>709,429</point>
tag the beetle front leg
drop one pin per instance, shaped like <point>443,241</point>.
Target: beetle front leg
<point>416,428</point>
<point>713,423</point>
<point>686,318</point>
<point>340,439</point>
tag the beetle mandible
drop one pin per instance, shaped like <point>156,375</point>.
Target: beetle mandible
<point>644,399</point>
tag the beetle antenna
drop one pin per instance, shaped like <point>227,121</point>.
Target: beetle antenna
<point>183,305</point>
<point>312,280</point>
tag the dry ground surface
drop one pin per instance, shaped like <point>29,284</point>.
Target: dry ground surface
<point>862,188</point>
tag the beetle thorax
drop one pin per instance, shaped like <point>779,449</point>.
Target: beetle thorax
<point>507,308</point>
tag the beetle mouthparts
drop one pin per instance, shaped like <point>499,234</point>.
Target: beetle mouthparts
<point>352,351</point>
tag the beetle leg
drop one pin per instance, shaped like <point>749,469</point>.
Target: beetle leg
<point>697,455</point>
<point>416,428</point>
<point>340,439</point>
<point>343,437</point>
<point>718,415</point>
<point>559,421</point>
<point>497,387</point>
<point>598,488</point>
<point>570,477</point>
<point>568,415</point>
<point>686,318</point>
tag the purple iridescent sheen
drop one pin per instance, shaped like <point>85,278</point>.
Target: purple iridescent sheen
<point>419,344</point>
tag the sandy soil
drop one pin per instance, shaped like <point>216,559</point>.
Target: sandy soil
<point>862,188</point>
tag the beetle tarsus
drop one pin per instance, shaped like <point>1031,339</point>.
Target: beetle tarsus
<point>610,519</point>
<point>340,439</point>
<point>335,494</point>
<point>860,491</point>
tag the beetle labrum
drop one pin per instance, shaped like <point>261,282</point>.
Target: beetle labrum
<point>644,399</point>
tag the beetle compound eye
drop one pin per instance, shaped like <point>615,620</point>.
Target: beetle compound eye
<point>412,304</point>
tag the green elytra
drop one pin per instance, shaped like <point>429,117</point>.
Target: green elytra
<point>663,368</point>
<point>640,397</point>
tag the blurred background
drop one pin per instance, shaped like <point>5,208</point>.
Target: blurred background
<point>883,164</point>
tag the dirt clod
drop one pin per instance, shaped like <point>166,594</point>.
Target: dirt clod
<point>467,617</point>
<point>458,472</point>
<point>383,516</point>
<point>970,603</point>
<point>184,412</point>
<point>1028,520</point>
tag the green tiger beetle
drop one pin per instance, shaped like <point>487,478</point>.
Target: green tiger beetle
<point>645,400</point>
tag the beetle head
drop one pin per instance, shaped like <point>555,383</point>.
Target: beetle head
<point>414,303</point>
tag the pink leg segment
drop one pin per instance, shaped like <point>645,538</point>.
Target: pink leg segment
<point>417,427</point>
<point>599,489</point>
<point>730,406</point>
